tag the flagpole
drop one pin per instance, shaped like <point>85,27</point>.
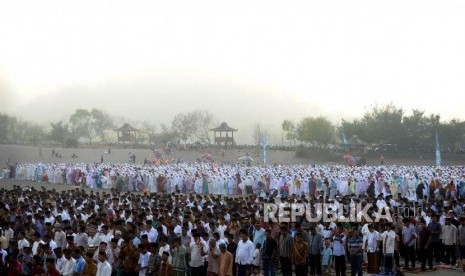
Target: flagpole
<point>438,150</point>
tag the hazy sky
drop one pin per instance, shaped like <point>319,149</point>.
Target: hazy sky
<point>333,58</point>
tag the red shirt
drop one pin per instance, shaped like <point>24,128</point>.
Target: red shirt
<point>52,272</point>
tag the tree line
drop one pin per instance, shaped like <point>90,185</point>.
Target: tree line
<point>96,126</point>
<point>386,127</point>
<point>382,126</point>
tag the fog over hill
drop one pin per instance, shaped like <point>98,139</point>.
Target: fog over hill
<point>239,103</point>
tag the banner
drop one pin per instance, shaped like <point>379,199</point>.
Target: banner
<point>438,151</point>
<point>344,141</point>
<point>264,148</point>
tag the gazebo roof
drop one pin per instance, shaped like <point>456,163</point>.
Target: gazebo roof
<point>223,127</point>
<point>355,141</point>
<point>126,127</point>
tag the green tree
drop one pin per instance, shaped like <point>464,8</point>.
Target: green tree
<point>317,130</point>
<point>80,124</point>
<point>288,126</point>
<point>384,125</point>
<point>101,123</point>
<point>34,134</point>
<point>5,121</point>
<point>183,126</point>
<point>418,130</point>
<point>451,134</point>
<point>203,121</point>
<point>59,132</point>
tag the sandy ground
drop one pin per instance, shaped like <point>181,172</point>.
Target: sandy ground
<point>31,154</point>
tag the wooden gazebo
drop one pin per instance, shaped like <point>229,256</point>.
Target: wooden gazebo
<point>127,134</point>
<point>357,145</point>
<point>227,139</point>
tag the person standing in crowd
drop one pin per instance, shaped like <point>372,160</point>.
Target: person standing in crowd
<point>69,264</point>
<point>80,262</point>
<point>299,255</point>
<point>244,254</point>
<point>196,252</point>
<point>231,247</point>
<point>226,262</point>
<point>315,247</point>
<point>143,262</point>
<point>154,260</point>
<point>372,250</point>
<point>409,236</point>
<point>390,239</point>
<point>461,242</point>
<point>285,244</point>
<point>327,258</point>
<point>178,253</point>
<point>424,246</point>
<point>103,267</point>
<point>166,269</point>
<point>339,242</point>
<point>51,269</point>
<point>449,239</point>
<point>91,268</point>
<point>213,258</point>
<point>355,248</point>
<point>269,254</point>
<point>436,232</point>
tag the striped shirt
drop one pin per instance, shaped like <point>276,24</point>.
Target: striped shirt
<point>81,239</point>
<point>285,246</point>
<point>355,244</point>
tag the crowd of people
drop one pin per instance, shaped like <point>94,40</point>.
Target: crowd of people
<point>210,219</point>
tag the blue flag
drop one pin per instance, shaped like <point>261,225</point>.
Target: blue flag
<point>344,141</point>
<point>438,151</point>
<point>264,148</point>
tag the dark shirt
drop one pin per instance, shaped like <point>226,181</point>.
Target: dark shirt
<point>424,235</point>
<point>269,248</point>
<point>232,248</point>
<point>433,227</point>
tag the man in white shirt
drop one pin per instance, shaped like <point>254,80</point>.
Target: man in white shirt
<point>49,218</point>
<point>22,242</point>
<point>38,241</point>
<point>222,228</point>
<point>143,262</point>
<point>244,253</point>
<point>151,232</point>
<point>93,240</point>
<point>371,248</point>
<point>449,239</point>
<point>105,236</point>
<point>197,250</point>
<point>163,247</point>
<point>52,243</point>
<point>67,269</point>
<point>389,242</point>
<point>9,234</point>
<point>103,267</point>
<point>177,228</point>
<point>61,260</point>
<point>339,244</point>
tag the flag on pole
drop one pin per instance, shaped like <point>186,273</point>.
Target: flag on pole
<point>344,141</point>
<point>438,151</point>
<point>264,148</point>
